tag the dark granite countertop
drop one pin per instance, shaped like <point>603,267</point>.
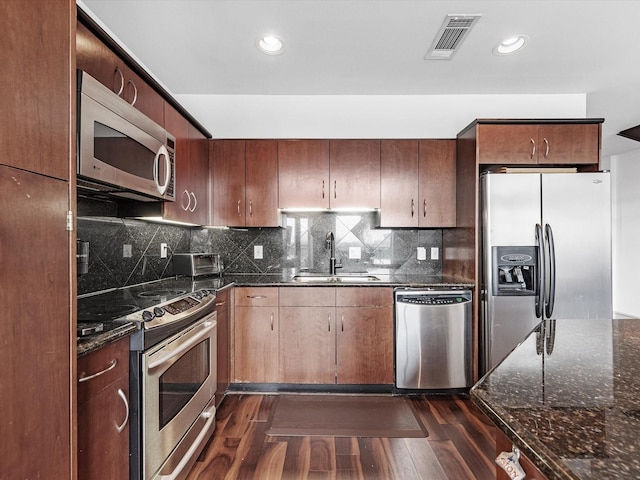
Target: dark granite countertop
<point>116,330</point>
<point>569,398</point>
<point>112,331</point>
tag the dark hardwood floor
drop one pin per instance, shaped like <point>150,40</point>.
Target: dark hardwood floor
<point>460,445</point>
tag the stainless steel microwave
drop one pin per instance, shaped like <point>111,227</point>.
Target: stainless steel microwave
<point>121,151</point>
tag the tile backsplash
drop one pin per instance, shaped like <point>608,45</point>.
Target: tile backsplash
<point>300,245</point>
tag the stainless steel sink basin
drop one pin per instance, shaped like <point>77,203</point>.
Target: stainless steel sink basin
<point>342,278</point>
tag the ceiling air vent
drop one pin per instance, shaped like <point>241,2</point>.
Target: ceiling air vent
<point>449,38</point>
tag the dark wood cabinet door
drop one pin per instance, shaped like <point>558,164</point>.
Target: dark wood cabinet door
<point>354,173</point>
<point>507,144</point>
<point>35,375</point>
<point>256,344</point>
<point>178,126</point>
<point>571,144</point>
<point>37,102</point>
<point>303,174</point>
<point>143,97</point>
<point>437,206</point>
<point>261,183</point>
<point>399,200</point>
<point>198,177</point>
<point>103,412</point>
<point>364,353</point>
<point>228,166</point>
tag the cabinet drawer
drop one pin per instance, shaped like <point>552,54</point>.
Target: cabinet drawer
<point>256,296</point>
<point>307,296</point>
<point>364,297</point>
<point>99,369</point>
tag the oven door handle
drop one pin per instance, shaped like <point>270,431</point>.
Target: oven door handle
<point>208,326</point>
<point>210,415</point>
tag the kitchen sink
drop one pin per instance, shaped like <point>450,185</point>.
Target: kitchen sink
<point>341,278</point>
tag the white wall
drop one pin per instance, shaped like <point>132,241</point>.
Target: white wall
<point>625,173</point>
<point>367,116</point>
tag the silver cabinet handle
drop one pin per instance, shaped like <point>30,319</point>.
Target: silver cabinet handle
<point>546,151</point>
<point>329,321</point>
<point>256,296</point>
<point>238,207</point>
<point>424,208</point>
<point>271,320</point>
<point>111,366</point>
<point>195,202</point>
<point>342,322</point>
<point>335,189</point>
<point>126,406</point>
<point>119,72</point>
<point>533,148</point>
<point>412,207</point>
<point>251,208</point>
<point>322,188</point>
<point>186,195</point>
<point>135,92</point>
<point>219,304</point>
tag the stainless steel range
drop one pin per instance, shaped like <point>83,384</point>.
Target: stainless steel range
<point>172,369</point>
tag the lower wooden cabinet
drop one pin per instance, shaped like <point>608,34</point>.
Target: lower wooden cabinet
<point>256,335</point>
<point>103,412</point>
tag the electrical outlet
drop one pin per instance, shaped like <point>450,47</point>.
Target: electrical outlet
<point>435,253</point>
<point>126,251</point>
<point>164,250</point>
<point>355,252</point>
<point>257,252</point>
<point>422,253</point>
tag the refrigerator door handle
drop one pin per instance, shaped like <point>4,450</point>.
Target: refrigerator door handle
<point>540,277</point>
<point>550,299</point>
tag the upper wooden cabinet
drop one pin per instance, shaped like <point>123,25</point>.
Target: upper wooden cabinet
<point>418,183</point>
<point>192,172</point>
<point>534,144</point>
<point>99,61</point>
<point>245,177</point>
<point>329,173</point>
<point>36,121</point>
<point>303,173</point>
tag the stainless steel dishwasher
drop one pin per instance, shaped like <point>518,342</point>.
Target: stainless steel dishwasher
<point>433,339</point>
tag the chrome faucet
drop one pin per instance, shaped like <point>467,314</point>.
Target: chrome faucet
<point>330,244</point>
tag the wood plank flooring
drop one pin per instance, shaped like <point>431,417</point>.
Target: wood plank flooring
<point>460,445</point>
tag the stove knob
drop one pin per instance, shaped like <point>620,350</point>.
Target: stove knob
<point>205,293</point>
<point>197,295</point>
<point>158,311</point>
<point>147,316</point>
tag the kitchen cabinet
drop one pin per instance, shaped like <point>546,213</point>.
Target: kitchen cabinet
<point>223,351</point>
<point>245,177</point>
<point>418,183</point>
<point>364,352</point>
<point>256,328</point>
<point>332,335</point>
<point>37,330</point>
<point>36,84</point>
<point>307,335</point>
<point>102,63</point>
<point>103,412</point>
<point>329,173</point>
<point>537,144</point>
<point>192,172</point>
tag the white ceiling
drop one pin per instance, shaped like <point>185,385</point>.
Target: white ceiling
<point>377,47</point>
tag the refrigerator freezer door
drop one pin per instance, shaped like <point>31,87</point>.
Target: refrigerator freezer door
<point>577,207</point>
<point>510,210</point>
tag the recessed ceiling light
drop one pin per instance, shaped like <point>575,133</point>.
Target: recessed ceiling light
<point>270,44</point>
<point>510,45</point>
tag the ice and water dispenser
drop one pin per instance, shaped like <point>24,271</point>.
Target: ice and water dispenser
<point>514,270</point>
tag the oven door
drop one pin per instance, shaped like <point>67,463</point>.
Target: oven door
<point>179,381</point>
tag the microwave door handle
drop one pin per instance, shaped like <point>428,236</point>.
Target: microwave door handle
<point>162,152</point>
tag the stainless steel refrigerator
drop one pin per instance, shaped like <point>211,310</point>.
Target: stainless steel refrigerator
<point>546,253</point>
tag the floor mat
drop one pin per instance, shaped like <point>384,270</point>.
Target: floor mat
<point>344,416</point>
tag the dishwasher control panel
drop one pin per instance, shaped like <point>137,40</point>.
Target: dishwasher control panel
<point>431,300</point>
